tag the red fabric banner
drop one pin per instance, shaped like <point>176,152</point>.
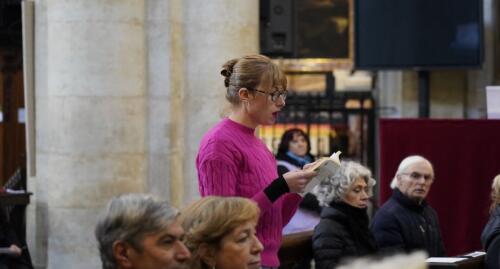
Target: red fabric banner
<point>466,158</point>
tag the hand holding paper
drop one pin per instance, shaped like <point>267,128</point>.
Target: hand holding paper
<point>325,167</point>
<point>297,180</point>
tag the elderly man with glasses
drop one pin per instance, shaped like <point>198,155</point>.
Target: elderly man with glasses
<point>406,222</point>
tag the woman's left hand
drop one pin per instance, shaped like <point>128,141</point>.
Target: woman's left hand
<point>297,180</point>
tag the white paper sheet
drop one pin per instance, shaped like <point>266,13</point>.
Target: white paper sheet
<point>475,254</point>
<point>444,259</point>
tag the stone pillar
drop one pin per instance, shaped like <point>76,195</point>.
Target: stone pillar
<point>91,118</point>
<point>124,91</point>
<point>479,79</point>
<point>188,41</point>
<point>390,94</point>
<point>214,31</point>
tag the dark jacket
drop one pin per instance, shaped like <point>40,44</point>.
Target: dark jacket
<point>490,240</point>
<point>341,233</point>
<point>7,234</point>
<point>492,228</point>
<point>402,225</point>
<point>291,162</point>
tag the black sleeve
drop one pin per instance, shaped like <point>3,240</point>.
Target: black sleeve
<point>282,170</point>
<point>277,188</point>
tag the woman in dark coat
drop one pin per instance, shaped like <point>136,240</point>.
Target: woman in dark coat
<point>294,151</point>
<point>343,231</point>
<point>490,238</point>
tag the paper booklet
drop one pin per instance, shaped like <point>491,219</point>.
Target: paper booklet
<point>326,167</point>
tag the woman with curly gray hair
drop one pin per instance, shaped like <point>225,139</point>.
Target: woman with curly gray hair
<point>343,229</point>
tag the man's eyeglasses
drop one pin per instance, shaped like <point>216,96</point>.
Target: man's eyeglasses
<point>274,95</point>
<point>417,176</point>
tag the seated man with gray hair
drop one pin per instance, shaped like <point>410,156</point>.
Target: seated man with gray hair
<point>406,222</point>
<point>140,232</point>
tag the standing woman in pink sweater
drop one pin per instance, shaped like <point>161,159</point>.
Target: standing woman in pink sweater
<point>232,161</point>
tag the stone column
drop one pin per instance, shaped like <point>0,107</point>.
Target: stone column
<point>91,118</point>
<point>214,31</point>
<point>188,41</point>
<point>479,79</point>
<point>124,91</point>
<point>390,94</point>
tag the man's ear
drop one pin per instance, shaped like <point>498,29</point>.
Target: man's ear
<point>121,253</point>
<point>207,254</point>
<point>244,94</point>
<point>398,180</point>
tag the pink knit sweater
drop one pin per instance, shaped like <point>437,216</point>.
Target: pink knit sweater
<point>232,161</point>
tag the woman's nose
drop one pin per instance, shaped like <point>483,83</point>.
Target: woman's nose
<point>257,246</point>
<point>280,102</point>
<point>183,252</point>
<point>364,195</point>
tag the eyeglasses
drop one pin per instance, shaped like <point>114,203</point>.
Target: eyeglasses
<point>417,176</point>
<point>274,95</point>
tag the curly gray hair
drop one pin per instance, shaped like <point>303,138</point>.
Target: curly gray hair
<point>336,187</point>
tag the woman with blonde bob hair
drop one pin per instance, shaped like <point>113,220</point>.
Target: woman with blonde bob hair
<point>220,232</point>
<point>343,230</point>
<point>490,238</point>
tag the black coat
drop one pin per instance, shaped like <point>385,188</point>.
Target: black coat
<point>492,228</point>
<point>402,225</point>
<point>490,240</point>
<point>341,233</point>
<point>7,234</point>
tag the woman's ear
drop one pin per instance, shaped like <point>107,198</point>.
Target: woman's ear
<point>207,254</point>
<point>244,94</point>
<point>121,253</point>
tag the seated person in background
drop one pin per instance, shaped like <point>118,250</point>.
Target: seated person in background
<point>140,232</point>
<point>490,238</point>
<point>343,230</point>
<point>293,153</point>
<point>13,256</point>
<point>220,232</point>
<point>406,222</point>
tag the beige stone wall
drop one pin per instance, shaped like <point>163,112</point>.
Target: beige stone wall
<point>92,128</point>
<point>217,32</point>
<point>124,91</point>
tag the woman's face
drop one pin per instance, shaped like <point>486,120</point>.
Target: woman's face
<point>298,145</point>
<point>261,109</point>
<point>357,195</point>
<point>240,249</point>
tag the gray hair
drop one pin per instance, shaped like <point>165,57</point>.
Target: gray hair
<point>335,187</point>
<point>405,163</point>
<point>128,218</point>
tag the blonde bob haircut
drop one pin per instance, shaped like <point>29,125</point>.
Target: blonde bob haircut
<point>208,220</point>
<point>495,193</point>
